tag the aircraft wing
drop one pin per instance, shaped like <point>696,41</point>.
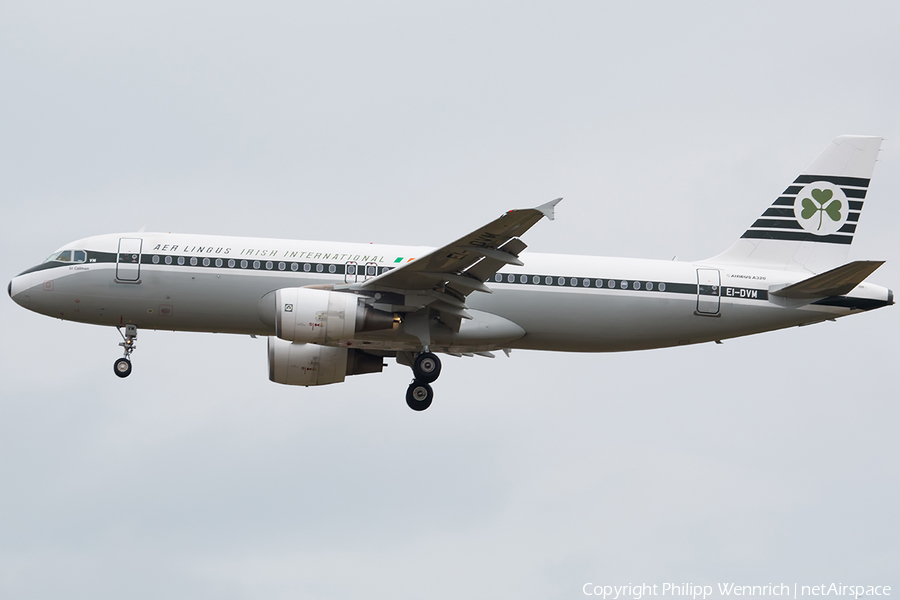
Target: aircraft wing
<point>452,272</point>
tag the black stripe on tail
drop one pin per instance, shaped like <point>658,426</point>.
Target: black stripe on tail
<point>779,221</point>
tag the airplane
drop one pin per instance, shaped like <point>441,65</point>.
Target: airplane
<point>333,309</point>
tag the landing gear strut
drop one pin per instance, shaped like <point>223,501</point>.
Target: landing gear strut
<point>122,366</point>
<point>426,369</point>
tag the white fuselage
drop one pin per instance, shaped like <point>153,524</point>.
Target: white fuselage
<point>560,302</point>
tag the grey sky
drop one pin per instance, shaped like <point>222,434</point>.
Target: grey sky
<point>667,128</point>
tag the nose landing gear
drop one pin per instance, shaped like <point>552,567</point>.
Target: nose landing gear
<point>122,366</point>
<point>426,369</point>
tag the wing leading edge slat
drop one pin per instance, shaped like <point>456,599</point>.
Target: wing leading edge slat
<point>457,264</point>
<point>441,280</point>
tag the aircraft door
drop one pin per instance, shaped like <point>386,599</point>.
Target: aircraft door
<point>128,260</point>
<point>708,291</point>
<point>350,270</point>
<point>371,270</point>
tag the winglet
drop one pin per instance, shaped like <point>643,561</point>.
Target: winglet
<point>548,208</point>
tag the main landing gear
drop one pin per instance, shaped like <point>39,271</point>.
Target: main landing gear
<point>426,369</point>
<point>122,367</point>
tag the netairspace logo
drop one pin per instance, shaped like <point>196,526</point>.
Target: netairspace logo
<point>696,591</point>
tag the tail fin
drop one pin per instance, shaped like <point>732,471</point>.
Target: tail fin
<point>811,225</point>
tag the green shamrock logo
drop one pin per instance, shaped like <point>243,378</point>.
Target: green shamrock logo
<point>822,197</point>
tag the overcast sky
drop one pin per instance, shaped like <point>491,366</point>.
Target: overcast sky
<point>667,127</point>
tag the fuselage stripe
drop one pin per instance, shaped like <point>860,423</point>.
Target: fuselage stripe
<point>504,278</point>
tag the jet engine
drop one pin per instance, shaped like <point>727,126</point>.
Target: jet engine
<point>321,317</point>
<point>294,363</point>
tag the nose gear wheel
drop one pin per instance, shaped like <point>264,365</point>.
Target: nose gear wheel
<point>122,366</point>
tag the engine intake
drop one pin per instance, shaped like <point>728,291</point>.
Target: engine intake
<point>323,317</point>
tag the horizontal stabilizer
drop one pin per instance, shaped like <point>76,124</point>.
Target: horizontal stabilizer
<point>836,282</point>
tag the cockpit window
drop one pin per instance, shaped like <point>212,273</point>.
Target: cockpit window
<point>64,256</point>
<point>68,256</point>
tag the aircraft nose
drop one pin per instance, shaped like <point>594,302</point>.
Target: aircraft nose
<point>15,292</point>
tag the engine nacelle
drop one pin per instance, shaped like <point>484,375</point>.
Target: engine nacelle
<point>293,363</point>
<point>321,317</point>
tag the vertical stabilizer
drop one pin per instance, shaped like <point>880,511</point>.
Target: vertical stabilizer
<point>811,225</point>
